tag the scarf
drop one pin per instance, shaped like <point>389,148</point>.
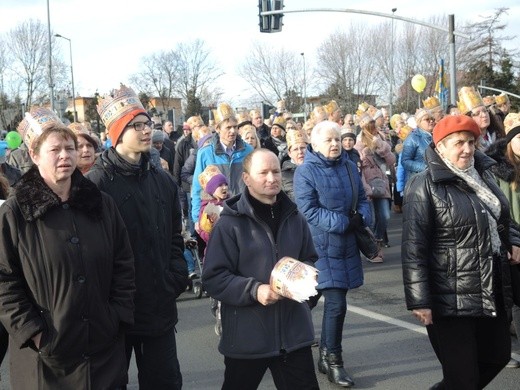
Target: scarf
<point>487,197</point>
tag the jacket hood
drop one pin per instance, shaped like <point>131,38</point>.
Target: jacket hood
<point>239,144</point>
<point>440,171</point>
<point>35,198</point>
<point>503,168</point>
<point>112,162</point>
<point>240,205</point>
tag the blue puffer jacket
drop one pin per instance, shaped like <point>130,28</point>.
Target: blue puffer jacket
<point>230,166</point>
<point>323,194</point>
<point>412,156</point>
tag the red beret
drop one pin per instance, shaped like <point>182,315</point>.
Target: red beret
<point>452,124</point>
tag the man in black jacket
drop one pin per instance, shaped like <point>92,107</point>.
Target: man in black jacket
<point>148,201</point>
<point>260,329</point>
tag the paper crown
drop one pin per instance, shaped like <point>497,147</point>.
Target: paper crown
<point>469,99</point>
<point>121,101</point>
<point>502,99</point>
<point>35,122</point>
<point>318,114</point>
<point>404,132</point>
<point>431,103</point>
<point>222,113</point>
<point>81,130</point>
<point>374,112</point>
<point>207,174</point>
<point>280,106</point>
<point>294,137</point>
<point>194,121</point>
<point>488,100</point>
<point>395,121</point>
<point>364,119</point>
<point>331,107</point>
<point>243,119</point>
<point>279,121</point>
<point>511,122</point>
<point>362,108</point>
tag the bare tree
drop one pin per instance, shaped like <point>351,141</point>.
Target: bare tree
<point>159,76</point>
<point>196,69</point>
<point>274,74</point>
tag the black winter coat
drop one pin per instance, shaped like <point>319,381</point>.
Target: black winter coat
<point>148,201</point>
<point>446,251</point>
<point>240,256</point>
<point>66,270</point>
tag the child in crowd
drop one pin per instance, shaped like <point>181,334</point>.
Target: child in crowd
<point>215,191</point>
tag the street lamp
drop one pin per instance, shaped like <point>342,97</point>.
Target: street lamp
<point>392,66</point>
<point>71,75</point>
<point>304,90</point>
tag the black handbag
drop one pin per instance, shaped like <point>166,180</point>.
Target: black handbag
<point>365,239</point>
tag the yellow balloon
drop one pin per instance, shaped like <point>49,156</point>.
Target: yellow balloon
<point>418,83</point>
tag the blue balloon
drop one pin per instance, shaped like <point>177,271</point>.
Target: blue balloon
<point>107,144</point>
<point>3,148</point>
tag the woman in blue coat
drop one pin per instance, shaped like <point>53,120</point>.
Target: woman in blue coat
<point>323,193</point>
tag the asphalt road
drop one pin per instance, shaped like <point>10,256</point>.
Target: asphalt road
<point>384,347</point>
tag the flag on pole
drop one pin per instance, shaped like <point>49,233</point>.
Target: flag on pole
<point>441,86</point>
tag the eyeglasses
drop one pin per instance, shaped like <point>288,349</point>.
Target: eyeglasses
<point>299,149</point>
<point>479,112</point>
<point>140,126</point>
<point>429,119</point>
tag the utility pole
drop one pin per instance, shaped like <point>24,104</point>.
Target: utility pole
<point>51,82</point>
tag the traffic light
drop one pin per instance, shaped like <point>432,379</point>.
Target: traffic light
<point>267,110</point>
<point>270,23</point>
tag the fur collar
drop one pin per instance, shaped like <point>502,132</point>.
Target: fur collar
<point>35,198</point>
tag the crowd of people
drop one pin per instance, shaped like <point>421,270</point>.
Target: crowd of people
<point>94,233</point>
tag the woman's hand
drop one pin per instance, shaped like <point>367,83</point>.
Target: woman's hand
<point>423,315</point>
<point>514,256</point>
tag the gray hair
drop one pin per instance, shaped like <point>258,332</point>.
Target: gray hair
<point>321,127</point>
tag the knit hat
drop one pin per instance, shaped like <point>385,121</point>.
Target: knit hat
<point>157,136</point>
<point>452,124</point>
<point>512,126</point>
<point>211,178</point>
<point>348,134</point>
<point>118,110</point>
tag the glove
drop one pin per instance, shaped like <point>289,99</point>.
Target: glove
<point>356,222</point>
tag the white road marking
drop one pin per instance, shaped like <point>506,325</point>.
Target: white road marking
<point>402,324</point>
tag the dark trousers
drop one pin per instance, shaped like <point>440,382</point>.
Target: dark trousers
<point>293,370</point>
<point>334,311</point>
<point>156,359</point>
<point>472,351</point>
<point>4,342</point>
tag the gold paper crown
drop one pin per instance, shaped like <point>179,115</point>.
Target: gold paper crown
<point>374,112</point>
<point>488,100</point>
<point>404,132</point>
<point>395,120</point>
<point>243,118</point>
<point>318,114</point>
<point>362,108</point>
<point>294,136</point>
<point>194,121</point>
<point>331,107</point>
<point>470,98</point>
<point>279,121</point>
<point>502,99</point>
<point>280,106</point>
<point>120,102</point>
<point>35,121</point>
<point>222,113</point>
<point>462,107</point>
<point>431,103</point>
<point>511,121</point>
<point>206,175</point>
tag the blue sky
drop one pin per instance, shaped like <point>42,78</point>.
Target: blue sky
<point>109,37</point>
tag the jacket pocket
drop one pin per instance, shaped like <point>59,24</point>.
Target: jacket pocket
<point>48,337</point>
